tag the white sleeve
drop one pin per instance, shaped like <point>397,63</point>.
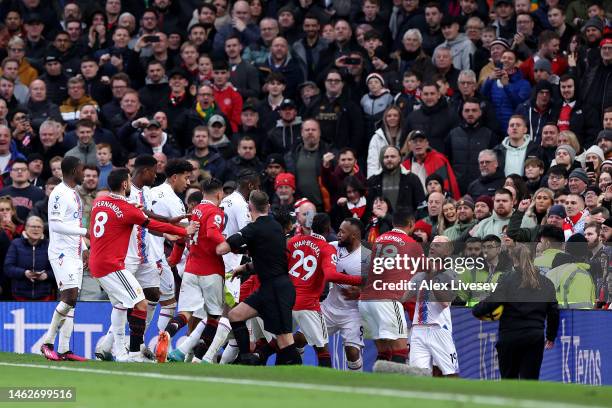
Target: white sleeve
<point>244,218</point>
<point>57,208</point>
<point>64,229</point>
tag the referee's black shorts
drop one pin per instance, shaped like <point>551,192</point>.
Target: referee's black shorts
<point>274,302</point>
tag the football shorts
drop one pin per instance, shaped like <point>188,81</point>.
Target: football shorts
<point>433,345</point>
<point>383,319</point>
<point>122,288</point>
<point>147,274</point>
<point>312,324</point>
<point>201,292</point>
<point>68,272</point>
<point>347,324</point>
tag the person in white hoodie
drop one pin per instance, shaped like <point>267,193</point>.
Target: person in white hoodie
<point>462,48</point>
<point>388,134</point>
<point>516,147</point>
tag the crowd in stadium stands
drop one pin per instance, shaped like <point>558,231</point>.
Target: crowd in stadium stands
<point>490,119</point>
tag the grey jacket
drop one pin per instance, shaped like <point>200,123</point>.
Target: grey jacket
<point>86,153</point>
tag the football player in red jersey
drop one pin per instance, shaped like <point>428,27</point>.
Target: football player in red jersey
<point>202,285</point>
<point>379,303</point>
<point>112,221</point>
<point>312,262</point>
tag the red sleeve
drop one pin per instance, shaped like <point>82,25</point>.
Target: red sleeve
<point>177,253</point>
<point>166,228</point>
<point>328,264</point>
<point>236,111</point>
<point>214,227</point>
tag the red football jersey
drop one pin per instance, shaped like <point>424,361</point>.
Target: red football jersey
<point>312,262</point>
<point>391,283</point>
<point>203,259</point>
<point>110,228</point>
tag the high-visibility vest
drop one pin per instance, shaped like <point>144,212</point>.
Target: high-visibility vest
<point>574,285</point>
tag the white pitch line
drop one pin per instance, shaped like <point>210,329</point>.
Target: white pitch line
<point>386,392</point>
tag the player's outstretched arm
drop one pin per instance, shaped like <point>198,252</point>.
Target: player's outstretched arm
<point>62,228</point>
<point>163,227</point>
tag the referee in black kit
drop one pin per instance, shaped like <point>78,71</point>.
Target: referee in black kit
<point>264,239</point>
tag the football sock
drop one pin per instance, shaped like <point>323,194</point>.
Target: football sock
<point>190,342</point>
<point>150,312</point>
<point>324,358</point>
<point>117,333</point>
<point>166,313</point>
<point>288,356</point>
<point>355,365</point>
<point>230,352</point>
<point>399,356</point>
<point>137,320</point>
<point>65,332</point>
<point>176,324</point>
<point>300,350</point>
<point>208,335</point>
<point>241,334</point>
<point>59,315</point>
<point>223,330</point>
<point>384,355</point>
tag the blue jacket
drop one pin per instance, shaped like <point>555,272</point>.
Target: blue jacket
<point>22,256</point>
<point>506,99</point>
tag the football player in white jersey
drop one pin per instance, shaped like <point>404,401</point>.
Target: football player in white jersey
<point>165,202</point>
<point>340,309</point>
<point>237,216</point>
<point>431,340</point>
<point>66,246</point>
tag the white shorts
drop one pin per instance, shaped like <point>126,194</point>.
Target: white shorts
<point>256,330</point>
<point>312,324</point>
<point>201,292</point>
<point>166,281</point>
<point>68,272</point>
<point>348,324</point>
<point>433,345</point>
<point>122,288</point>
<point>147,274</point>
<point>383,319</point>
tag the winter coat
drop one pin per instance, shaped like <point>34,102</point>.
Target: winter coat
<point>511,159</point>
<point>506,98</point>
<point>291,70</point>
<point>143,147</point>
<point>486,185</point>
<point>536,120</point>
<point>436,121</point>
<point>85,153</point>
<point>373,108</point>
<point>41,111</point>
<point>436,163</point>
<point>299,50</point>
<point>462,147</point>
<point>214,163</point>
<point>153,96</point>
<point>282,138</point>
<point>22,256</point>
<point>411,189</point>
<point>237,164</point>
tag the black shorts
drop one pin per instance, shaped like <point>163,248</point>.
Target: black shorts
<point>274,302</point>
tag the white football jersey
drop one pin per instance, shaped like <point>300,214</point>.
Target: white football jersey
<point>427,310</point>
<point>350,263</point>
<point>65,207</point>
<point>164,201</point>
<point>140,242</point>
<point>237,216</point>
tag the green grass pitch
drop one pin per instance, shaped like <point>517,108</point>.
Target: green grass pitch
<point>101,384</point>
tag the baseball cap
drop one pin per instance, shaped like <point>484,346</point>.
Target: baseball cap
<point>249,106</point>
<point>275,158</point>
<point>417,134</point>
<point>33,18</point>
<point>216,119</point>
<point>287,103</point>
<point>153,122</point>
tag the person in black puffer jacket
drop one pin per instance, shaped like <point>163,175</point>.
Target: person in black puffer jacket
<point>465,142</point>
<point>491,175</point>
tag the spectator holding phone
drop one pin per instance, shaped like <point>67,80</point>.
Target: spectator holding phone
<point>27,264</point>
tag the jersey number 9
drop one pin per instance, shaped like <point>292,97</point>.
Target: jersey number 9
<point>307,262</point>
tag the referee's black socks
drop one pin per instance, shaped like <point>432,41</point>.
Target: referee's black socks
<point>288,356</point>
<point>241,335</point>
